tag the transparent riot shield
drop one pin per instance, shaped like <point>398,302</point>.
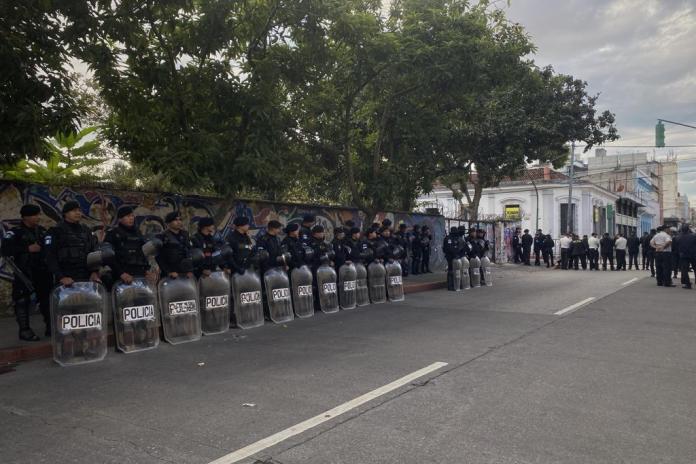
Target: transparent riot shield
<point>181,319</point>
<point>136,315</point>
<point>278,295</point>
<point>347,286</point>
<point>302,296</point>
<point>454,275</point>
<point>79,323</point>
<point>214,295</point>
<point>475,271</point>
<point>326,287</point>
<point>395,284</point>
<point>486,270</point>
<point>362,293</point>
<point>248,304</point>
<point>465,277</point>
<point>376,282</point>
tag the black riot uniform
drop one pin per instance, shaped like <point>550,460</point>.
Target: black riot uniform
<point>538,247</point>
<point>416,250</point>
<point>242,251</point>
<point>15,245</point>
<point>321,249</point>
<point>296,248</point>
<point>175,255</point>
<point>426,239</point>
<point>211,248</point>
<point>340,248</point>
<point>67,247</point>
<point>451,247</point>
<point>402,237</point>
<point>359,248</point>
<point>272,245</point>
<point>306,228</point>
<point>127,243</point>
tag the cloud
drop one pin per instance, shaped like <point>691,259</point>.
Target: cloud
<point>638,54</point>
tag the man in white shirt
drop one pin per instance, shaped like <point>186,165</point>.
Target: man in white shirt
<point>662,242</point>
<point>565,250</point>
<point>593,245</point>
<point>620,245</point>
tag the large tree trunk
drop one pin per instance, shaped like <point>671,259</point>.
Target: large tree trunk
<point>475,200</point>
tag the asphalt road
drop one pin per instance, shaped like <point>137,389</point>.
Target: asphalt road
<point>611,381</point>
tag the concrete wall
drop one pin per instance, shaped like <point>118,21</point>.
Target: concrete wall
<point>99,207</point>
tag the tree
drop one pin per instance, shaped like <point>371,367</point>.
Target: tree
<point>35,98</point>
<point>69,158</point>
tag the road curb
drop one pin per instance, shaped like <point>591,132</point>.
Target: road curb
<point>42,350</point>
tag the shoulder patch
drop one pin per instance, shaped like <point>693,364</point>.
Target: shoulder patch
<point>48,239</point>
<point>9,234</point>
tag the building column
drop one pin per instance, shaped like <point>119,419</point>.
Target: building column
<point>548,212</point>
<point>585,219</point>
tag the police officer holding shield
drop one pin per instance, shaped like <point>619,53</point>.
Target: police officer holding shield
<point>292,244</point>
<point>308,221</point>
<point>319,246</point>
<point>129,260</point>
<point>67,246</point>
<point>23,245</point>
<point>451,248</point>
<point>271,244</point>
<point>206,241</point>
<point>175,256</point>
<point>241,245</point>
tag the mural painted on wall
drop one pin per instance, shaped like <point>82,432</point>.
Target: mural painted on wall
<point>99,208</point>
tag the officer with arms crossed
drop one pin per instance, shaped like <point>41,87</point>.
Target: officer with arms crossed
<point>23,244</point>
<point>662,243</point>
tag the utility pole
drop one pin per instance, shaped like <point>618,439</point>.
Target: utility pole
<point>569,211</point>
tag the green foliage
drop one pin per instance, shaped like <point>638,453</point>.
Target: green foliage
<point>70,160</point>
<point>35,100</point>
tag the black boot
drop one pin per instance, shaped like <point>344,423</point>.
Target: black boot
<point>22,316</point>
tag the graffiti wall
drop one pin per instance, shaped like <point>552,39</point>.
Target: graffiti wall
<point>99,208</point>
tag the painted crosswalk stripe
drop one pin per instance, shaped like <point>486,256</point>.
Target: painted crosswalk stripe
<point>635,279</point>
<point>575,306</point>
<point>276,438</point>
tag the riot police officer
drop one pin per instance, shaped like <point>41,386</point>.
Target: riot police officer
<point>340,247</point>
<point>211,247</point>
<point>402,236</point>
<point>538,247</point>
<point>426,240</point>
<point>271,244</point>
<point>319,246</point>
<point>67,246</point>
<point>451,248</point>
<point>241,244</point>
<point>175,256</point>
<point>358,247</point>
<point>23,244</point>
<point>127,241</point>
<point>292,244</point>
<point>416,251</point>
<point>308,221</point>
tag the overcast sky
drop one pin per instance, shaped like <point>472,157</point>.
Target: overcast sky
<point>639,54</point>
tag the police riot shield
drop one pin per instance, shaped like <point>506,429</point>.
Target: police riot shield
<point>454,275</point>
<point>248,304</point>
<point>395,284</point>
<point>136,320</point>
<point>326,286</point>
<point>466,278</point>
<point>486,271</point>
<point>214,297</point>
<point>362,294</point>
<point>181,319</point>
<point>79,323</point>
<point>376,280</point>
<point>302,296</point>
<point>278,295</point>
<point>347,286</point>
<point>475,271</point>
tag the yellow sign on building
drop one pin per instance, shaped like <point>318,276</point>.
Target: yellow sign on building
<point>512,212</point>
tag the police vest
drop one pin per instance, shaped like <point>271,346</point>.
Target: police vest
<point>130,250</point>
<point>73,246</point>
<point>173,247</point>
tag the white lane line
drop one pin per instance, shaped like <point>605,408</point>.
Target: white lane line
<point>276,438</point>
<point>575,306</point>
<point>635,279</point>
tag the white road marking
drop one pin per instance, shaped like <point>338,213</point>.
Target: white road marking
<point>577,305</point>
<point>635,279</point>
<point>276,438</point>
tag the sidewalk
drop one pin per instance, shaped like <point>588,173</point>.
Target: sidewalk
<point>13,350</point>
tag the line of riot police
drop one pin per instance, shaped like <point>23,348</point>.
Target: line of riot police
<point>205,284</point>
<point>468,264</point>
